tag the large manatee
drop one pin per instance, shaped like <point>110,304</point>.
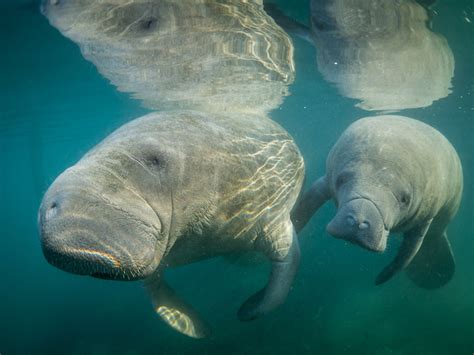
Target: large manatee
<point>380,52</point>
<point>174,188</point>
<point>392,174</point>
<point>211,176</point>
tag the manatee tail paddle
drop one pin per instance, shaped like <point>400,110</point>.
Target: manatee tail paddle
<point>433,265</point>
<point>174,311</point>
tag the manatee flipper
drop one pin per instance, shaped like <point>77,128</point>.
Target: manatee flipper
<point>311,201</point>
<point>283,272</point>
<point>433,265</point>
<point>412,241</point>
<point>174,311</point>
<point>287,23</point>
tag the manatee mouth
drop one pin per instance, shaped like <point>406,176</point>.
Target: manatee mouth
<point>377,249</point>
<point>99,256</point>
<point>360,221</point>
<point>364,245</point>
<point>95,263</point>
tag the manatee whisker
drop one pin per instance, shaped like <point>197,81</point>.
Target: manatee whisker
<point>101,254</point>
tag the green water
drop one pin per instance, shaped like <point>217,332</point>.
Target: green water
<point>54,106</point>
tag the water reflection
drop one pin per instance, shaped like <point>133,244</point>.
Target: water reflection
<point>379,52</point>
<point>183,54</point>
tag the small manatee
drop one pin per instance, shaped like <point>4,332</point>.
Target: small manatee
<point>392,174</point>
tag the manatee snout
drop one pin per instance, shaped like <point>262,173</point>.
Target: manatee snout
<point>86,233</point>
<point>359,221</point>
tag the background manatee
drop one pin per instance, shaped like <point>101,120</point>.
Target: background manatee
<point>379,52</point>
<point>392,174</point>
<point>193,54</point>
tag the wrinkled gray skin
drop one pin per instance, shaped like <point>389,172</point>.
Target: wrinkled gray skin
<point>392,174</point>
<point>174,188</point>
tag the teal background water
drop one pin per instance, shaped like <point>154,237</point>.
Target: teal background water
<point>54,106</point>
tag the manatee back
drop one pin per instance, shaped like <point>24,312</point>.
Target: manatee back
<point>187,54</point>
<point>262,179</point>
<point>235,177</point>
<point>391,137</point>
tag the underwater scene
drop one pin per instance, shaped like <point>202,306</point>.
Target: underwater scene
<point>237,177</point>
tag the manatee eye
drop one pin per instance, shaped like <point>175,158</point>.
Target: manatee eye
<point>149,24</point>
<point>405,199</point>
<point>54,2</point>
<point>341,180</point>
<point>154,161</point>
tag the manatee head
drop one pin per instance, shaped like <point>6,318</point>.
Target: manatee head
<point>109,215</point>
<point>372,199</point>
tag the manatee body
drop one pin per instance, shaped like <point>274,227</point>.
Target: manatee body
<point>392,174</point>
<point>181,186</point>
<point>174,188</point>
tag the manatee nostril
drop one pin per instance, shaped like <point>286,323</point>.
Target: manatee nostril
<point>364,225</point>
<point>351,220</point>
<point>52,211</point>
